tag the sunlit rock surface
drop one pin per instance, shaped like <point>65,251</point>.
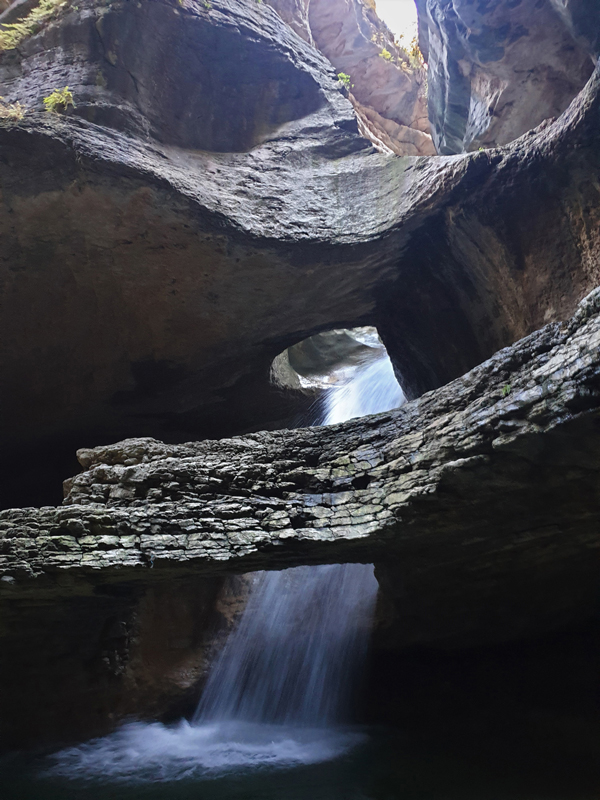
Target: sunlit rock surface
<point>149,284</point>
<point>387,87</point>
<point>498,69</point>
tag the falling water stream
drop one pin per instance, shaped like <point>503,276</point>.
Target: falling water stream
<point>274,719</point>
<point>280,692</point>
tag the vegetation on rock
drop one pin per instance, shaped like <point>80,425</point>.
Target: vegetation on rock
<point>14,33</point>
<point>59,100</point>
<point>11,111</point>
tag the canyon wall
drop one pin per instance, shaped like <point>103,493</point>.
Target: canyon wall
<point>214,197</point>
<point>149,281</point>
<point>498,69</point>
<point>478,503</point>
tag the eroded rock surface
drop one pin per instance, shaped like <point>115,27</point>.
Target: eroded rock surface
<point>493,478</point>
<point>498,69</point>
<point>583,19</point>
<point>148,285</point>
<point>387,87</point>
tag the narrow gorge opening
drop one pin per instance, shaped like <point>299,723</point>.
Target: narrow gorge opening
<point>347,370</point>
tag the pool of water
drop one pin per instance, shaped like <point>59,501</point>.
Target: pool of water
<point>155,762</point>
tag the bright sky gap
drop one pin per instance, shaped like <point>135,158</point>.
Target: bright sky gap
<point>400,16</point>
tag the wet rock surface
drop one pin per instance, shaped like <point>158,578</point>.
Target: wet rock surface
<point>498,69</point>
<point>149,284</point>
<point>478,503</point>
<point>148,214</point>
<point>499,466</point>
<point>156,259</point>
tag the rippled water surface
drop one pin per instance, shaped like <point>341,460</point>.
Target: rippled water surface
<point>347,764</point>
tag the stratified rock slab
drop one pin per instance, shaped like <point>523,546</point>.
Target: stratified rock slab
<point>478,502</point>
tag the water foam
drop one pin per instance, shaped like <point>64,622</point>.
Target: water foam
<point>373,388</point>
<point>140,752</point>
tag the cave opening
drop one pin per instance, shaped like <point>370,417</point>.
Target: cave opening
<point>400,16</point>
<point>227,189</point>
<point>347,370</point>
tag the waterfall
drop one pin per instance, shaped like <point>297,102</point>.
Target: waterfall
<point>371,389</point>
<point>280,691</point>
<point>296,651</point>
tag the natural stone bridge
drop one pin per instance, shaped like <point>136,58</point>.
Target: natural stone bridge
<point>482,494</point>
<point>161,259</point>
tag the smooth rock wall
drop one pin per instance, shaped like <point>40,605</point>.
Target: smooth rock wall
<point>498,69</point>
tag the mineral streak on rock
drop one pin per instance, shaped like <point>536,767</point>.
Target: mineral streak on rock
<point>478,502</point>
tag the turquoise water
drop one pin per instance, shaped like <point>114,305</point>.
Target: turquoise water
<point>384,766</point>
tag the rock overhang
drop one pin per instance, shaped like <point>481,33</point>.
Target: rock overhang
<point>165,280</point>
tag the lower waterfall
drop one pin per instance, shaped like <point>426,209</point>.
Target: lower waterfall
<point>297,650</point>
<point>280,692</point>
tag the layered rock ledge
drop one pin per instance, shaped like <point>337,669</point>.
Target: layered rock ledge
<point>478,502</point>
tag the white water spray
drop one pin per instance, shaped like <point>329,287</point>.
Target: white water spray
<point>281,689</point>
<point>371,389</point>
<point>294,655</point>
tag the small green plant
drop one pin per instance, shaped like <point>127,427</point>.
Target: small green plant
<point>59,100</point>
<point>345,79</point>
<point>12,111</point>
<point>385,54</point>
<point>11,35</point>
<point>506,390</point>
<point>207,5</point>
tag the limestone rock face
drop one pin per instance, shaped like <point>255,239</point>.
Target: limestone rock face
<point>149,282</point>
<point>583,20</point>
<point>295,13</point>
<point>478,503</point>
<point>500,68</point>
<point>504,457</point>
<point>387,90</point>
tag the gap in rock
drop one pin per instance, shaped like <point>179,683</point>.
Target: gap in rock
<point>350,370</point>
